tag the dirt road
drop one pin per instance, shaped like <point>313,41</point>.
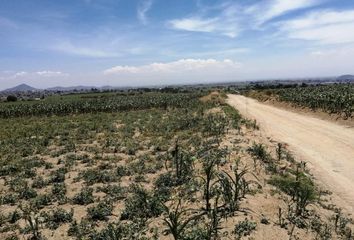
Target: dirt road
<point>327,147</point>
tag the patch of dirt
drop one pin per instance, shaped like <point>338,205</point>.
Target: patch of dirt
<point>328,148</point>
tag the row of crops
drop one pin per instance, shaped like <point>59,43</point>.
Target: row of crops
<point>334,99</point>
<point>104,103</point>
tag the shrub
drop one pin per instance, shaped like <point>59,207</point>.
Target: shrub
<point>14,217</point>
<point>119,231</point>
<point>10,199</point>
<point>82,229</point>
<point>101,211</point>
<point>259,152</point>
<point>122,171</point>
<point>58,192</point>
<point>58,176</point>
<point>39,182</point>
<point>114,192</point>
<point>244,228</point>
<point>141,204</point>
<point>164,184</point>
<point>27,193</point>
<point>92,176</point>
<point>301,189</point>
<point>84,197</point>
<point>41,201</point>
<point>57,217</point>
<point>11,98</point>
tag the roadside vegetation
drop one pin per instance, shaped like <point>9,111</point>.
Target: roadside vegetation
<point>335,99</point>
<point>152,166</point>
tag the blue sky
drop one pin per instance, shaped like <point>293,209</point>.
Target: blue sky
<point>146,42</point>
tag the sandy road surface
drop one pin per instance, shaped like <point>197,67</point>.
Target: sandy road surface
<point>327,147</point>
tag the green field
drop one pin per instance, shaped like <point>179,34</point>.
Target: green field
<point>147,166</point>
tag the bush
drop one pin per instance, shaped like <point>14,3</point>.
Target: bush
<point>301,189</point>
<point>258,151</point>
<point>55,218</point>
<point>14,217</point>
<point>92,176</point>
<point>58,176</point>
<point>39,182</point>
<point>114,192</point>
<point>11,98</point>
<point>82,229</point>
<point>164,184</point>
<point>244,228</point>
<point>59,191</point>
<point>122,171</point>
<point>101,211</point>
<point>10,199</point>
<point>41,201</point>
<point>141,204</point>
<point>121,231</point>
<point>27,193</point>
<point>84,197</point>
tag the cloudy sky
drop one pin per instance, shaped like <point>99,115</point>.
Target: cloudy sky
<point>142,42</point>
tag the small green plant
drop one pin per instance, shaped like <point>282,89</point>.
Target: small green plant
<point>244,228</point>
<point>84,197</point>
<point>177,221</point>
<point>92,176</point>
<point>58,176</point>
<point>14,216</point>
<point>141,205</point>
<point>41,201</point>
<point>81,230</point>
<point>183,164</point>
<point>59,192</point>
<point>57,217</point>
<point>300,188</point>
<point>164,185</point>
<point>114,192</point>
<point>279,151</point>
<point>101,211</point>
<point>39,182</point>
<point>234,187</point>
<point>258,152</point>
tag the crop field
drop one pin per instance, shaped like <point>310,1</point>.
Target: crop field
<point>153,166</point>
<point>333,99</point>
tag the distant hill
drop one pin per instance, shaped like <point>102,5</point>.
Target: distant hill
<point>346,78</point>
<point>21,88</point>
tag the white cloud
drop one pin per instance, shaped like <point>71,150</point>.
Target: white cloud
<point>19,74</point>
<point>325,27</point>
<point>195,24</point>
<point>51,74</point>
<point>33,75</point>
<point>176,72</point>
<point>271,9</point>
<point>143,9</point>
<point>321,18</point>
<point>226,22</point>
<point>183,65</point>
<point>232,18</point>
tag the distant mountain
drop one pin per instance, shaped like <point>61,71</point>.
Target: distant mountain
<point>346,78</point>
<point>21,88</point>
